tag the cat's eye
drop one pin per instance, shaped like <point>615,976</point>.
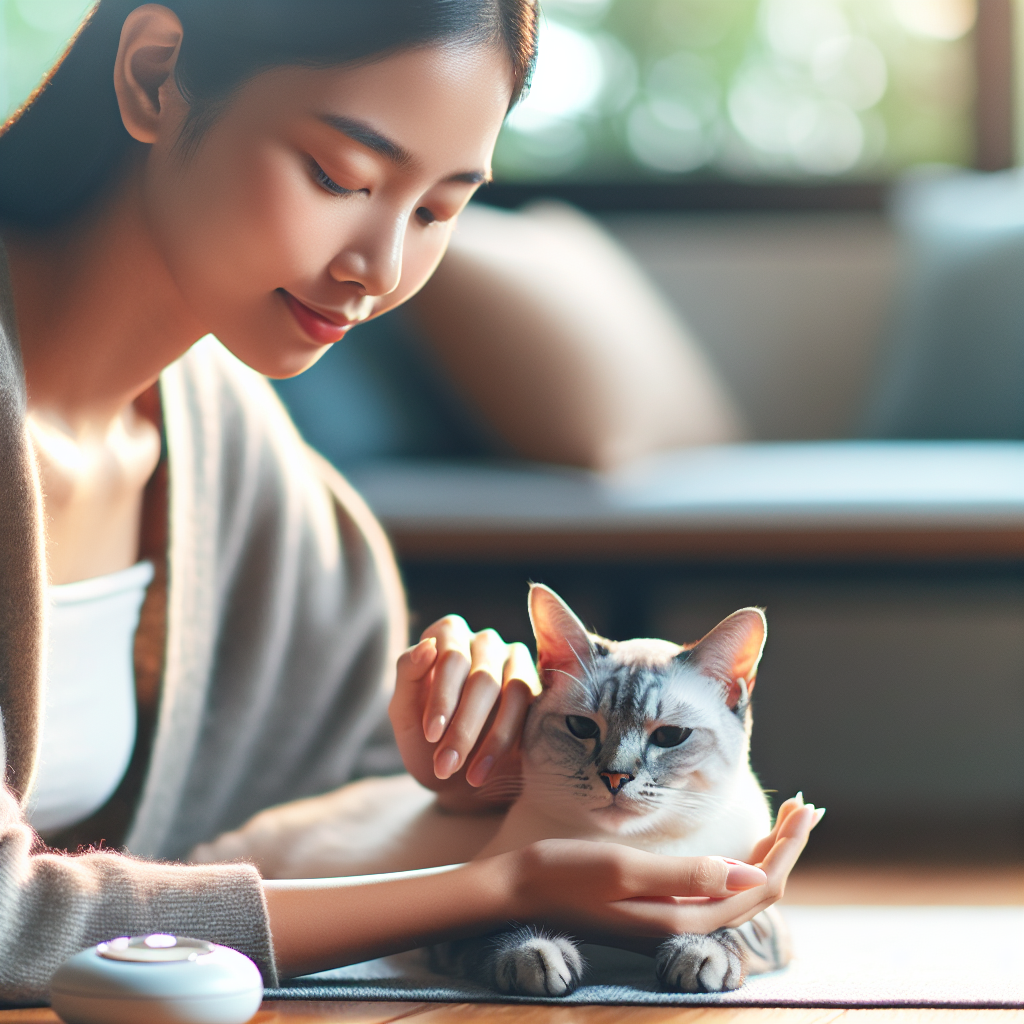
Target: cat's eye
<point>582,727</point>
<point>669,735</point>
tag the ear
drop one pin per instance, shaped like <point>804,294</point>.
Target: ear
<point>563,646</point>
<point>731,651</point>
<point>147,93</point>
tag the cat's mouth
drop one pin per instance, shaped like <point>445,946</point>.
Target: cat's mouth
<point>620,806</point>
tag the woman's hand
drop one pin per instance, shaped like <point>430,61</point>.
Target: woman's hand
<point>458,710</point>
<point>623,897</point>
<point>598,891</point>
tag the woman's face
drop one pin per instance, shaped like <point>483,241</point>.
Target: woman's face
<point>320,198</point>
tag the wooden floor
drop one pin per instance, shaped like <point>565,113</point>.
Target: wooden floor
<point>464,1013</point>
<point>420,1013</point>
<point>821,885</point>
<point>378,1013</point>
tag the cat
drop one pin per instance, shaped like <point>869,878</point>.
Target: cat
<point>644,743</point>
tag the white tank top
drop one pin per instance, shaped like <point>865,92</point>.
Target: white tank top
<point>89,715</point>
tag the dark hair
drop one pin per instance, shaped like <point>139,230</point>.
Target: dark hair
<point>63,144</point>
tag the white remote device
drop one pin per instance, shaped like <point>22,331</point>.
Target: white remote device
<point>159,979</point>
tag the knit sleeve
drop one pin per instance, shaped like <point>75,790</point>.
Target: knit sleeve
<point>52,906</point>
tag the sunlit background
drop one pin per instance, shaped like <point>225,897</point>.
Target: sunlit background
<point>745,88</point>
<point>32,35</point>
<point>629,89</point>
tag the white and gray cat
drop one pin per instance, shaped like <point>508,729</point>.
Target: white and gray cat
<point>644,743</point>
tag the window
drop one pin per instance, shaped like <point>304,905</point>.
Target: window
<point>745,89</point>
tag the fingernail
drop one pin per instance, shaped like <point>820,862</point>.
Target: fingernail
<point>799,798</point>
<point>818,815</point>
<point>446,762</point>
<point>423,651</point>
<point>435,729</point>
<point>477,775</point>
<point>743,876</point>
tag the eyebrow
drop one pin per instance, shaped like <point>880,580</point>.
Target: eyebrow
<point>368,136</point>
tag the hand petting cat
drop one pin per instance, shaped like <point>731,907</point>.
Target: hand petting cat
<point>458,710</point>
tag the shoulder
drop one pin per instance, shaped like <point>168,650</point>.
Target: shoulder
<point>12,384</point>
<point>229,433</point>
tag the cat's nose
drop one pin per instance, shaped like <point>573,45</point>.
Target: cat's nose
<point>615,780</point>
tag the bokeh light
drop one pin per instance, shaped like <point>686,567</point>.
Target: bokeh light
<point>779,88</point>
<point>936,19</point>
<point>567,82</point>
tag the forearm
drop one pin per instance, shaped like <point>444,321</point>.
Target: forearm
<point>327,922</point>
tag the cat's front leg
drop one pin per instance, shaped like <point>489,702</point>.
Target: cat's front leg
<point>701,963</point>
<point>721,961</point>
<point>522,961</point>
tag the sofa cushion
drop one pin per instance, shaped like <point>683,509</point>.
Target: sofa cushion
<point>954,365</point>
<point>554,334</point>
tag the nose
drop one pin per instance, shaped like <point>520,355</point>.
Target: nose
<point>372,259</point>
<point>615,780</point>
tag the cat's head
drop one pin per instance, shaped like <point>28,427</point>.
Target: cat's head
<point>639,735</point>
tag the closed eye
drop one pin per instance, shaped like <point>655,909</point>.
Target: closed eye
<point>669,735</point>
<point>329,185</point>
<point>582,727</point>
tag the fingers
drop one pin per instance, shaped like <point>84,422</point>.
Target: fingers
<point>413,667</point>
<point>789,843</point>
<point>665,877</point>
<point>456,686</point>
<point>645,916</point>
<point>794,803</point>
<point>480,693</point>
<point>780,860</point>
<point>454,661</point>
<point>520,666</point>
<point>519,686</point>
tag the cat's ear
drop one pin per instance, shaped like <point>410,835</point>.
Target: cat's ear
<point>563,646</point>
<point>731,651</point>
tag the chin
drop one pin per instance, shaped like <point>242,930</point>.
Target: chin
<point>621,818</point>
<point>278,359</point>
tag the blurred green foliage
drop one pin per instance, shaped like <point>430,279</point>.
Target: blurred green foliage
<point>33,34</point>
<point>635,89</point>
<point>745,88</point>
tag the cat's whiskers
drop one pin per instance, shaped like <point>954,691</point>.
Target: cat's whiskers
<point>688,804</point>
<point>500,790</point>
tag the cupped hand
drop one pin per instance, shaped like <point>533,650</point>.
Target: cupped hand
<point>458,710</point>
<point>618,896</point>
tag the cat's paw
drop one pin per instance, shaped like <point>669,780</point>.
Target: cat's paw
<point>528,962</point>
<point>700,963</point>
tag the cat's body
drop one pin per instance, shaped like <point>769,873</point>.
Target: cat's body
<point>643,743</point>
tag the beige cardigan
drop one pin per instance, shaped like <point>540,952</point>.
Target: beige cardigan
<point>284,617</point>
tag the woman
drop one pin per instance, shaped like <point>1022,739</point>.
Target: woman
<point>273,173</point>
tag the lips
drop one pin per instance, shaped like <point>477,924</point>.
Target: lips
<point>321,329</point>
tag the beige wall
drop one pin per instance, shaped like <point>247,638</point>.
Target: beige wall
<point>789,307</point>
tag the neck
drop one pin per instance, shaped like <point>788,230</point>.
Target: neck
<point>99,315</point>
